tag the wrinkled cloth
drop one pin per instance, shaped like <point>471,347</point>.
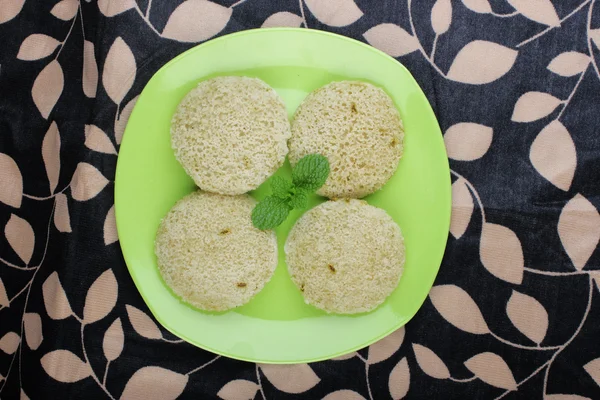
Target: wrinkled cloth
<point>515,310</point>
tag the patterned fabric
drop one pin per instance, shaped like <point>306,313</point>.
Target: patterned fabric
<point>515,310</point>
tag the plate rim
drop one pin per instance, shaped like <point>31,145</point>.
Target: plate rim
<point>447,210</point>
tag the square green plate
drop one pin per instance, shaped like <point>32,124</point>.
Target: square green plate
<point>277,326</point>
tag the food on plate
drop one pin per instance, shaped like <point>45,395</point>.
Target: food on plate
<point>215,248</point>
<point>358,128</point>
<point>346,256</point>
<point>230,134</point>
<point>211,255</point>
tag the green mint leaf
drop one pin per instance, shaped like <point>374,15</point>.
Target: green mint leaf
<point>280,186</point>
<point>300,198</point>
<point>270,212</point>
<point>311,172</point>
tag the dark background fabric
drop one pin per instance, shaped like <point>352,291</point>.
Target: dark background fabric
<point>513,193</point>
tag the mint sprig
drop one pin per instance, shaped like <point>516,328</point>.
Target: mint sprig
<point>309,174</point>
<point>280,186</point>
<point>270,212</point>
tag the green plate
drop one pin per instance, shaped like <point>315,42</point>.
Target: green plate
<point>277,326</point>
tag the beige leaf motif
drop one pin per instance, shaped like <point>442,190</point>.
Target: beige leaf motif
<point>11,181</point>
<point>334,12</point>
<point>110,8</point>
<point>64,366</point>
<point>532,106</point>
<point>196,20</point>
<point>565,397</point>
<point>399,380</point>
<point>478,6</point>
<point>97,140</point>
<point>441,16</point>
<point>113,342</point>
<point>4,301</point>
<point>593,368</point>
<point>553,155</point>
<point>62,220</point>
<point>391,39</point>
<point>541,11</point>
<point>142,323</point>
<point>458,308</point>
<point>569,63</point>
<point>9,343</point>
<point>468,141</point>
<point>579,230</point>
<point>595,36</point>
<point>430,363</point>
<point>110,227</point>
<point>238,389</point>
<point>481,62</point>
<point>33,330</point>
<point>492,369</point>
<point>386,347</point>
<point>501,253</point>
<point>528,316</point>
<point>343,394</point>
<point>23,396</point>
<point>462,208</point>
<point>87,182</point>
<point>101,297</point>
<point>55,298</point>
<point>48,87</point>
<point>65,9</point>
<point>37,46</point>
<point>345,357</point>
<point>283,18</point>
<point>294,378</point>
<point>154,383</point>
<point>90,69</point>
<point>121,122</point>
<point>119,70</point>
<point>51,155</point>
<point>10,9</point>
<point>20,236</point>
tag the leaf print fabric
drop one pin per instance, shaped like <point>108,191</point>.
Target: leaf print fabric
<point>515,310</point>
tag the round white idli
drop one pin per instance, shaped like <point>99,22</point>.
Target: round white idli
<point>230,134</point>
<point>358,128</point>
<point>345,256</point>
<point>211,255</point>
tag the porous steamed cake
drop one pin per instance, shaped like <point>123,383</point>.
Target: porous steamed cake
<point>230,134</point>
<point>211,255</point>
<point>346,256</point>
<point>358,128</point>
